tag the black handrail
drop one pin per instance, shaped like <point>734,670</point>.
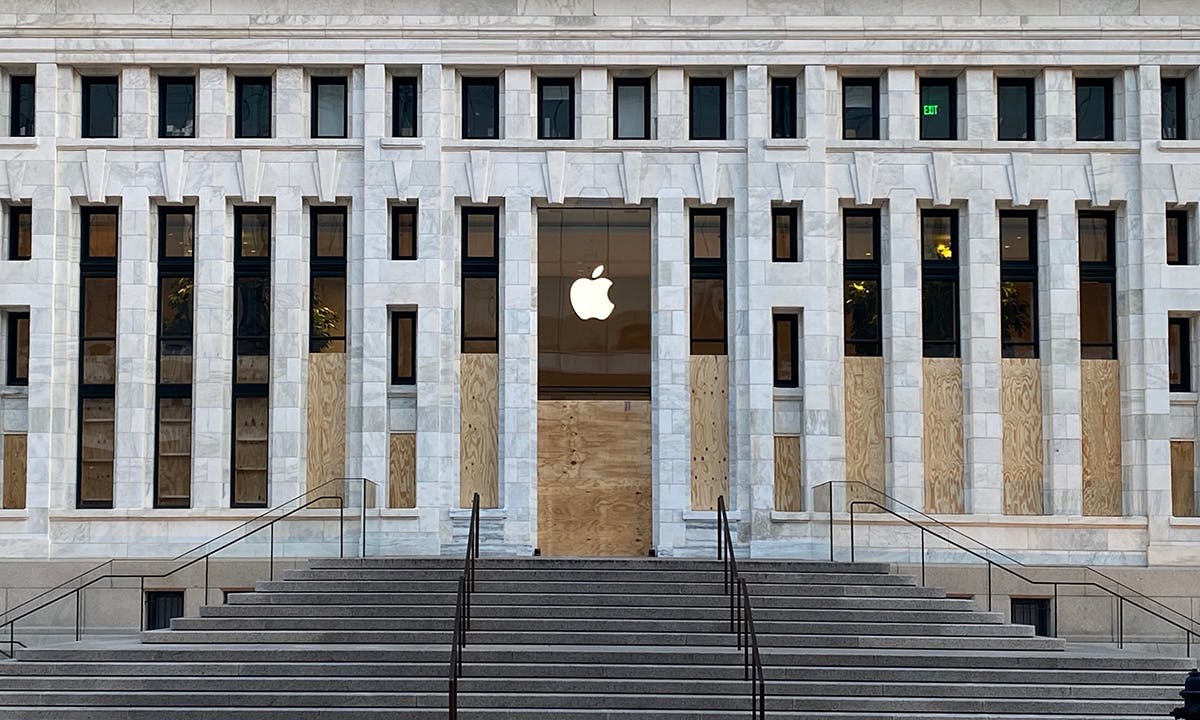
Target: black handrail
<point>462,608</point>
<point>741,619</point>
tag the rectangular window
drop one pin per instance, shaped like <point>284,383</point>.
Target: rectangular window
<point>1177,237</point>
<point>404,232</point>
<point>784,114</point>
<point>176,301</point>
<point>1015,109</point>
<point>177,107</point>
<point>860,108</point>
<point>1032,611</point>
<point>1174,109</point>
<point>100,103</point>
<point>327,311</point>
<point>21,110</point>
<point>709,273</point>
<point>162,606</point>
<point>404,107</point>
<point>1179,353</point>
<point>20,232</point>
<point>706,116</point>
<point>251,355</point>
<point>329,107</point>
<point>480,280</point>
<point>97,356</point>
<point>1093,109</point>
<point>939,108</point>
<point>1018,284</point>
<point>556,108</point>
<point>252,98</point>
<point>862,278</point>
<point>404,347</point>
<point>481,108</point>
<point>787,350</point>
<point>1097,285</point>
<point>18,349</point>
<point>939,283</point>
<point>631,108</point>
<point>784,230</point>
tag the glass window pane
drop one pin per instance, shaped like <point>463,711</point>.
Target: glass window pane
<point>1177,339</point>
<point>1095,313</point>
<point>21,229</point>
<point>862,311</point>
<point>404,349</point>
<point>252,307</point>
<point>937,238</point>
<point>1016,236</point>
<point>175,330</point>
<point>253,107</point>
<point>404,107</point>
<point>1018,313</point>
<point>404,233</point>
<point>328,313</point>
<point>23,117</point>
<point>1173,117</point>
<point>481,234</point>
<point>783,108</point>
<point>858,111</point>
<point>178,234</point>
<point>100,235</point>
<point>480,314</point>
<point>1177,226</point>
<point>860,237</point>
<point>1093,111</point>
<point>19,346</point>
<point>937,110</point>
<point>330,241</point>
<point>707,241</point>
<point>708,316</point>
<point>97,435</point>
<point>555,121</point>
<point>100,107</point>
<point>255,240</point>
<point>632,101</point>
<point>939,304</point>
<point>784,232</point>
<point>1093,238</point>
<point>480,108</point>
<point>1013,107</point>
<point>708,110</point>
<point>174,452</point>
<point>329,101</point>
<point>250,451</point>
<point>785,359</point>
<point>177,106</point>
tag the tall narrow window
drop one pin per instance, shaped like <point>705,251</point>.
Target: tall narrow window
<point>1179,341</point>
<point>784,114</point>
<point>177,107</point>
<point>787,350</point>
<point>20,232</point>
<point>1018,284</point>
<point>252,98</point>
<point>939,283</point>
<point>480,280</point>
<point>404,232</point>
<point>21,110</point>
<point>709,273</point>
<point>860,108</point>
<point>1177,237</point>
<point>1174,109</point>
<point>1015,109</point>
<point>706,116</point>
<point>17,372</point>
<point>100,107</point>
<point>1093,109</point>
<point>404,107</point>
<point>862,274</point>
<point>1097,285</point>
<point>329,107</point>
<point>481,108</point>
<point>556,108</point>
<point>97,356</point>
<point>251,355</point>
<point>939,109</point>
<point>404,347</point>
<point>785,222</point>
<point>176,300</point>
<point>327,310</point>
<point>631,108</point>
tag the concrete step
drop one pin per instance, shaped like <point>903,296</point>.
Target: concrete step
<point>422,587</point>
<point>579,564</point>
<point>205,713</point>
<point>595,576</point>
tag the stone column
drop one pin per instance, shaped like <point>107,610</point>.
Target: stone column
<point>981,105</point>
<point>1058,103</point>
<point>137,316</point>
<point>518,373</point>
<point>1058,315</point>
<point>214,116</point>
<point>289,347</point>
<point>137,97</point>
<point>902,349</point>
<point>900,121</point>
<point>595,104</point>
<point>672,104</point>
<point>517,108</point>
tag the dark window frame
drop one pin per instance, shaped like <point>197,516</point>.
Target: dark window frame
<point>792,213</point>
<point>542,84</point>
<point>318,81</point>
<point>405,81</point>
<point>873,84</point>
<point>467,84</point>
<point>942,271</point>
<point>1103,272</point>
<point>1185,353</point>
<point>87,84</point>
<point>170,268</point>
<point>11,378</point>
<point>328,267</point>
<point>163,83</point>
<point>240,83</point>
<point>249,268</point>
<point>642,82</point>
<point>1030,109</point>
<point>397,316</point>
<point>867,271</point>
<point>155,607</point>
<point>15,212</point>
<point>1032,611</point>
<point>718,82</point>
<point>710,269</point>
<point>1023,271</point>
<point>1179,85</point>
<point>791,127</point>
<point>92,267</point>
<point>1106,84</point>
<point>948,82</point>
<point>1182,219</point>
<point>395,213</point>
<point>792,319</point>
<point>16,84</point>
<point>476,267</point>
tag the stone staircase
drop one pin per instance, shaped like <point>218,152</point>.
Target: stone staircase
<point>585,640</point>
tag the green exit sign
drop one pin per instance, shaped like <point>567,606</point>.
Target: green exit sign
<point>930,109</point>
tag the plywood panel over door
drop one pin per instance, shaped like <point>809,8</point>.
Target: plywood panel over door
<point>864,429</point>
<point>13,482</point>
<point>479,439</point>
<point>943,435</point>
<point>594,477</point>
<point>1100,415</point>
<point>1021,411</point>
<point>789,494</point>
<point>710,430</point>
<point>402,471</point>
<point>1183,478</point>
<point>326,417</point>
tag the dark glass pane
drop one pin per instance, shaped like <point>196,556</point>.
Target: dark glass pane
<point>100,234</point>
<point>481,100</point>
<point>175,330</point>
<point>784,232</point>
<point>1096,306</point>
<point>859,114</point>
<point>19,346</point>
<point>1018,312</point>
<point>708,316</point>
<point>404,233</point>
<point>785,358</point>
<point>178,234</point>
<point>1093,110</point>
<point>252,306</point>
<point>96,447</point>
<point>1177,226</point>
<point>1093,238</point>
<point>783,108</point>
<point>1016,237</point>
<point>937,239</point>
<point>860,237</point>
<point>554,117</point>
<point>1174,118</point>
<point>329,108</point>
<point>939,305</point>
<point>404,107</point>
<point>1014,106</point>
<point>99,307</point>
<point>250,451</point>
<point>481,235</point>
<point>255,240</point>
<point>631,104</point>
<point>862,306</point>
<point>1177,353</point>
<point>480,313</point>
<point>937,110</point>
<point>253,107</point>
<point>174,452</point>
<point>22,118</point>
<point>21,227</point>
<point>404,351</point>
<point>100,107</point>
<point>330,229</point>
<point>707,236</point>
<point>708,110</point>
<point>177,107</point>
<point>327,330</point>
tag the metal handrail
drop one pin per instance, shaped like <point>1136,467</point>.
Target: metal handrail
<point>741,619</point>
<point>462,609</point>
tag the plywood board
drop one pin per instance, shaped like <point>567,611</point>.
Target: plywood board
<point>1100,416</point>
<point>864,429</point>
<point>479,438</point>
<point>1021,413</point>
<point>943,435</point>
<point>1183,478</point>
<point>402,471</point>
<point>789,490</point>
<point>326,418</point>
<point>15,454</point>
<point>710,429</point>
<point>594,478</point>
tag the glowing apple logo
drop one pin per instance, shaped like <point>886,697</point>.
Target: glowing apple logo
<point>589,298</point>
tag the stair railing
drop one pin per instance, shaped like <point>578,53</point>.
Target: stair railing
<point>741,617</point>
<point>462,608</point>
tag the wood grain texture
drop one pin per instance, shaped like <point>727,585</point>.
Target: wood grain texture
<point>479,439</point>
<point>402,470</point>
<point>789,491</point>
<point>594,478</point>
<point>15,454</point>
<point>326,418</point>
<point>1021,413</point>
<point>1183,478</point>
<point>1100,416</point>
<point>709,376</point>
<point>943,435</point>
<point>864,429</point>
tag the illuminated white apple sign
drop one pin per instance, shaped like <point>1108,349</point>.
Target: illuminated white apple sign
<point>589,298</point>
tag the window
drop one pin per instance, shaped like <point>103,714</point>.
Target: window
<point>480,280</point>
<point>1093,109</point>
<point>404,107</point>
<point>862,275</point>
<point>1018,284</point>
<point>404,232</point>
<point>20,232</point>
<point>706,116</point>
<point>1015,108</point>
<point>939,283</point>
<point>1174,109</point>
<point>631,108</point>
<point>481,108</point>
<point>162,606</point>
<point>327,309</point>
<point>404,347</point>
<point>253,107</point>
<point>785,244</point>
<point>329,107</point>
<point>1177,237</point>
<point>21,112</point>
<point>1179,352</point>
<point>1097,285</point>
<point>176,284</point>
<point>100,107</point>
<point>177,107</point>
<point>17,372</point>
<point>97,356</point>
<point>787,350</point>
<point>251,355</point>
<point>556,109</point>
<point>860,108</point>
<point>939,108</point>
<point>708,301</point>
<point>1032,611</point>
<point>784,114</point>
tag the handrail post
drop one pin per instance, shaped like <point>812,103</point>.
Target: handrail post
<point>922,557</point>
<point>77,622</point>
<point>1120,622</point>
<point>342,530</point>
<point>830,486</point>
<point>362,519</point>
<point>206,574</point>
<point>272,565</point>
<point>142,604</point>
<point>852,531</point>
<point>1055,609</point>
<point>989,567</point>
